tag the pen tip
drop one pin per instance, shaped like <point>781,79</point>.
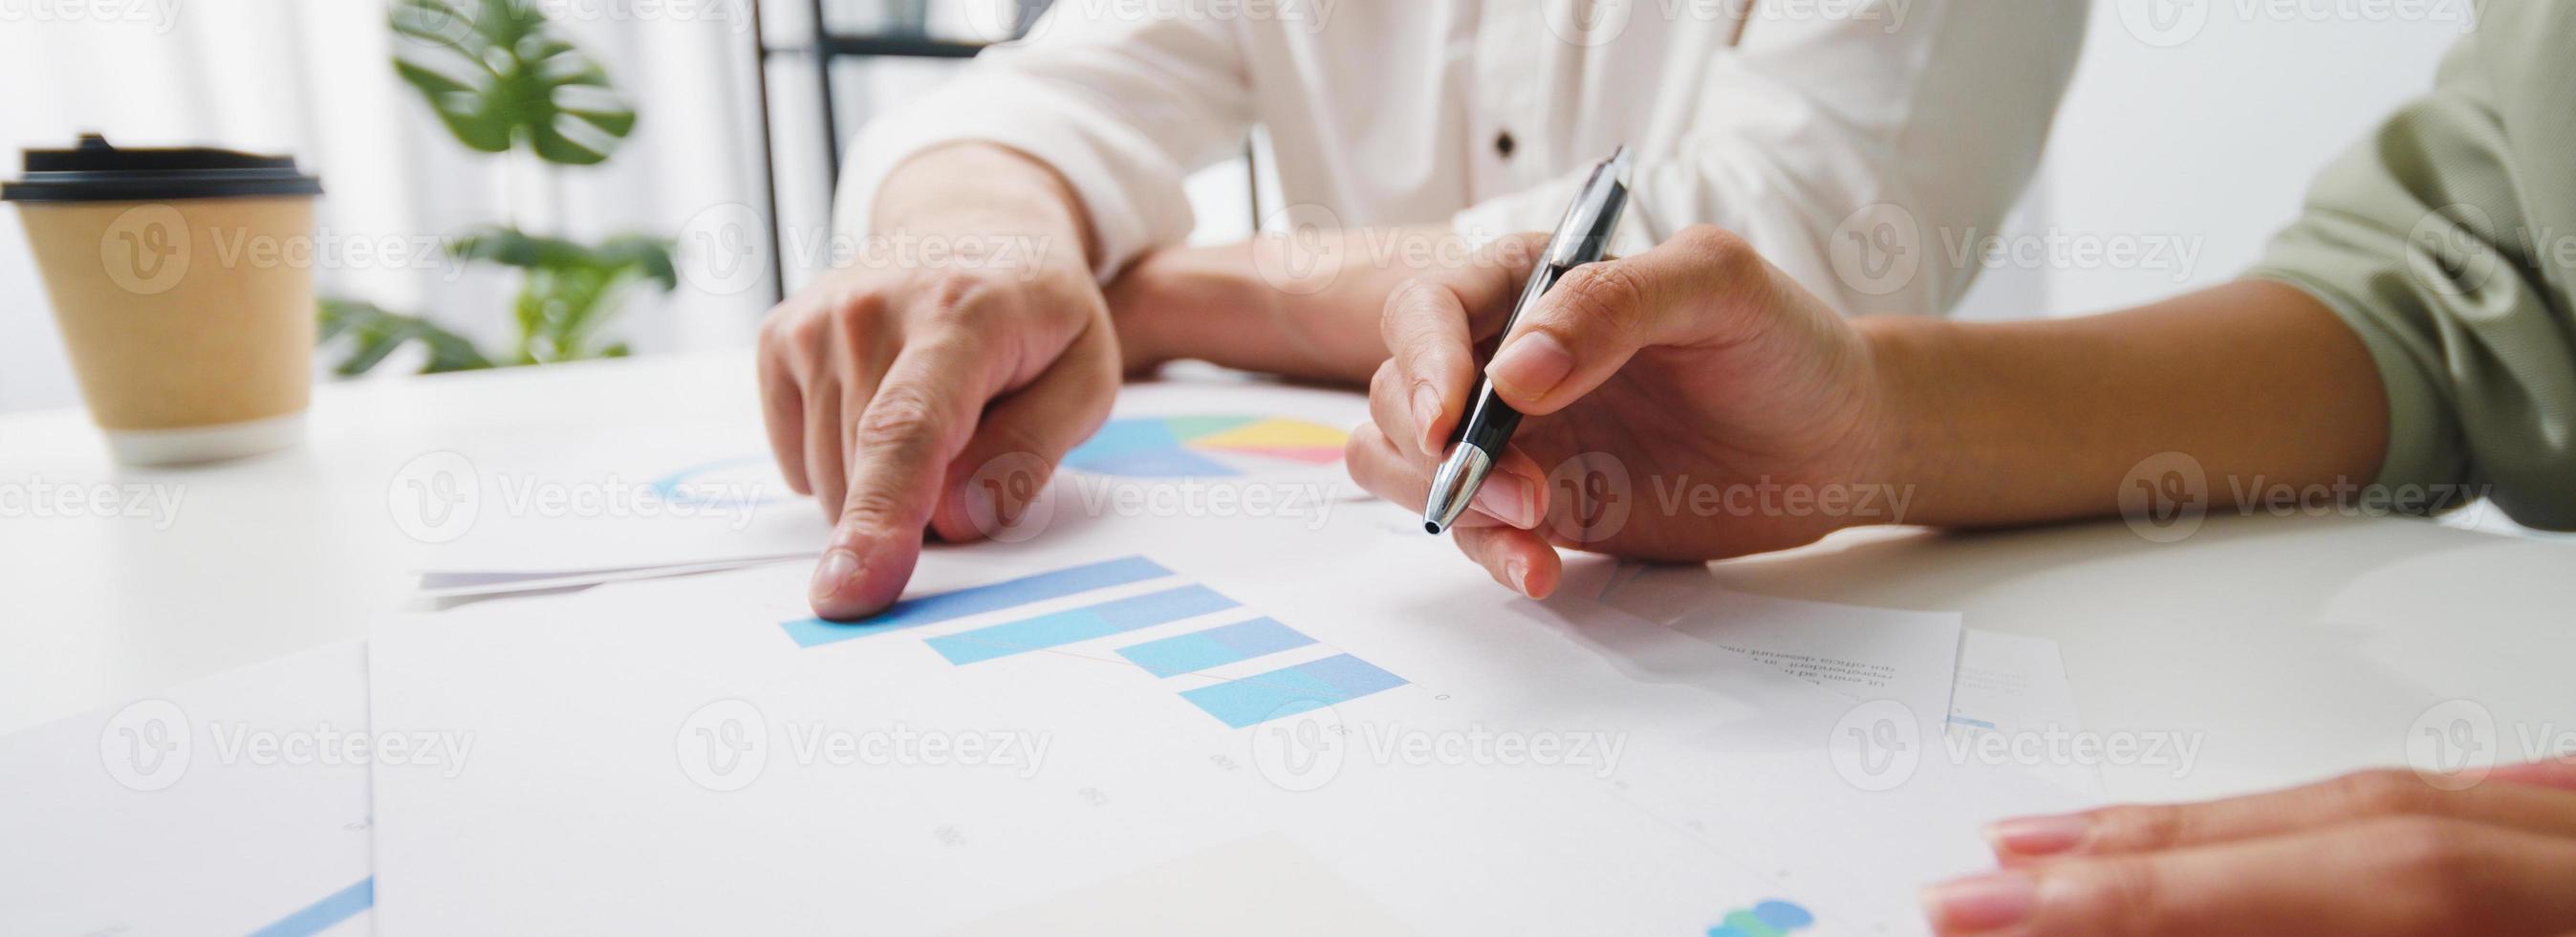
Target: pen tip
<point>1431,527</point>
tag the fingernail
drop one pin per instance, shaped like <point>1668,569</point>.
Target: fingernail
<point>1531,366</point>
<point>1426,411</point>
<point>2033,837</point>
<point>1981,903</point>
<point>1507,499</point>
<point>1518,572</point>
<point>839,567</point>
<point>984,509</point>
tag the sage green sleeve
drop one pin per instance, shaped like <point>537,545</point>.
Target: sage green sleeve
<point>2423,241</point>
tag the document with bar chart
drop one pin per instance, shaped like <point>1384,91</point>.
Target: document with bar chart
<point>1036,734</point>
<point>231,804</point>
<point>1127,596</point>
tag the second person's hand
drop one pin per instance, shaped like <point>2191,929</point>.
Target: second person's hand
<point>888,385</point>
<point>1688,403</point>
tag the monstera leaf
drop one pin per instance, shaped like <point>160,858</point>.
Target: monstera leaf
<point>571,290</point>
<point>500,74</point>
<point>372,334</point>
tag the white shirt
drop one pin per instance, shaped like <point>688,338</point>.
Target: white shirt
<point>1843,138</point>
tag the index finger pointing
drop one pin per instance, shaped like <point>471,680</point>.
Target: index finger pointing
<point>919,420</point>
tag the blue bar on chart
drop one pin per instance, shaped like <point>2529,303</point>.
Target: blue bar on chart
<point>333,909</point>
<point>1081,624</point>
<point>1280,693</point>
<point>943,606</point>
<point>1215,647</point>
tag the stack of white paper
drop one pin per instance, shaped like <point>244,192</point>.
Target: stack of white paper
<point>1206,685</point>
<point>523,514</point>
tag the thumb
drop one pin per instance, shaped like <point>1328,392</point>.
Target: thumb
<point>1601,314</point>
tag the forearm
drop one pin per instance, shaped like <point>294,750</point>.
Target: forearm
<point>2025,422</point>
<point>1289,306</point>
<point>981,200</point>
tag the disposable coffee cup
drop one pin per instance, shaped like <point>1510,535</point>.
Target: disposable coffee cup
<point>182,280</point>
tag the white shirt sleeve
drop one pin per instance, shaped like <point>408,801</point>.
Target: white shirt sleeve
<point>1122,106</point>
<point>1896,129</point>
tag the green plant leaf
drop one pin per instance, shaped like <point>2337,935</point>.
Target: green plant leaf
<point>570,290</point>
<point>501,74</point>
<point>373,334</point>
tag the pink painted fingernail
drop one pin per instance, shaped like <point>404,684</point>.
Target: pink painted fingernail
<point>2034,837</point>
<point>1981,903</point>
<point>1531,365</point>
<point>1507,498</point>
<point>839,568</point>
<point>1518,572</point>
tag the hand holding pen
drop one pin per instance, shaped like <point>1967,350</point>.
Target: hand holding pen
<point>1583,237</point>
<point>1686,403</point>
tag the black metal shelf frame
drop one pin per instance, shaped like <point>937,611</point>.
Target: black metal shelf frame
<point>909,39</point>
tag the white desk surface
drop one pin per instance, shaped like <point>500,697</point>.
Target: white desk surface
<point>2294,647</point>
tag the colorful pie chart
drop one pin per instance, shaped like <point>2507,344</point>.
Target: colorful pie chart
<point>1205,446</point>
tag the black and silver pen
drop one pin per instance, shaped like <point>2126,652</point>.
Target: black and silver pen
<point>1580,239</point>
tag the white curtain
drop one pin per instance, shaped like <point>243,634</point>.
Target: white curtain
<point>314,78</point>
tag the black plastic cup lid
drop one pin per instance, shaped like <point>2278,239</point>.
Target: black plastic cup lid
<point>98,172</point>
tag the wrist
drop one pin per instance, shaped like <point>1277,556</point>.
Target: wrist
<point>989,201</point>
<point>1908,439</point>
<point>1143,301</point>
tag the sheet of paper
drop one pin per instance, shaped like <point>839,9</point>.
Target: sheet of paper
<point>710,494</point>
<point>2014,687</point>
<point>457,585</point>
<point>1910,657</point>
<point>1061,726</point>
<point>230,805</point>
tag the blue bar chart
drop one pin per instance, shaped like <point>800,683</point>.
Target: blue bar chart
<point>322,915</point>
<point>1237,702</point>
<point>1081,624</point>
<point>1215,647</point>
<point>943,606</point>
<point>1287,692</point>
